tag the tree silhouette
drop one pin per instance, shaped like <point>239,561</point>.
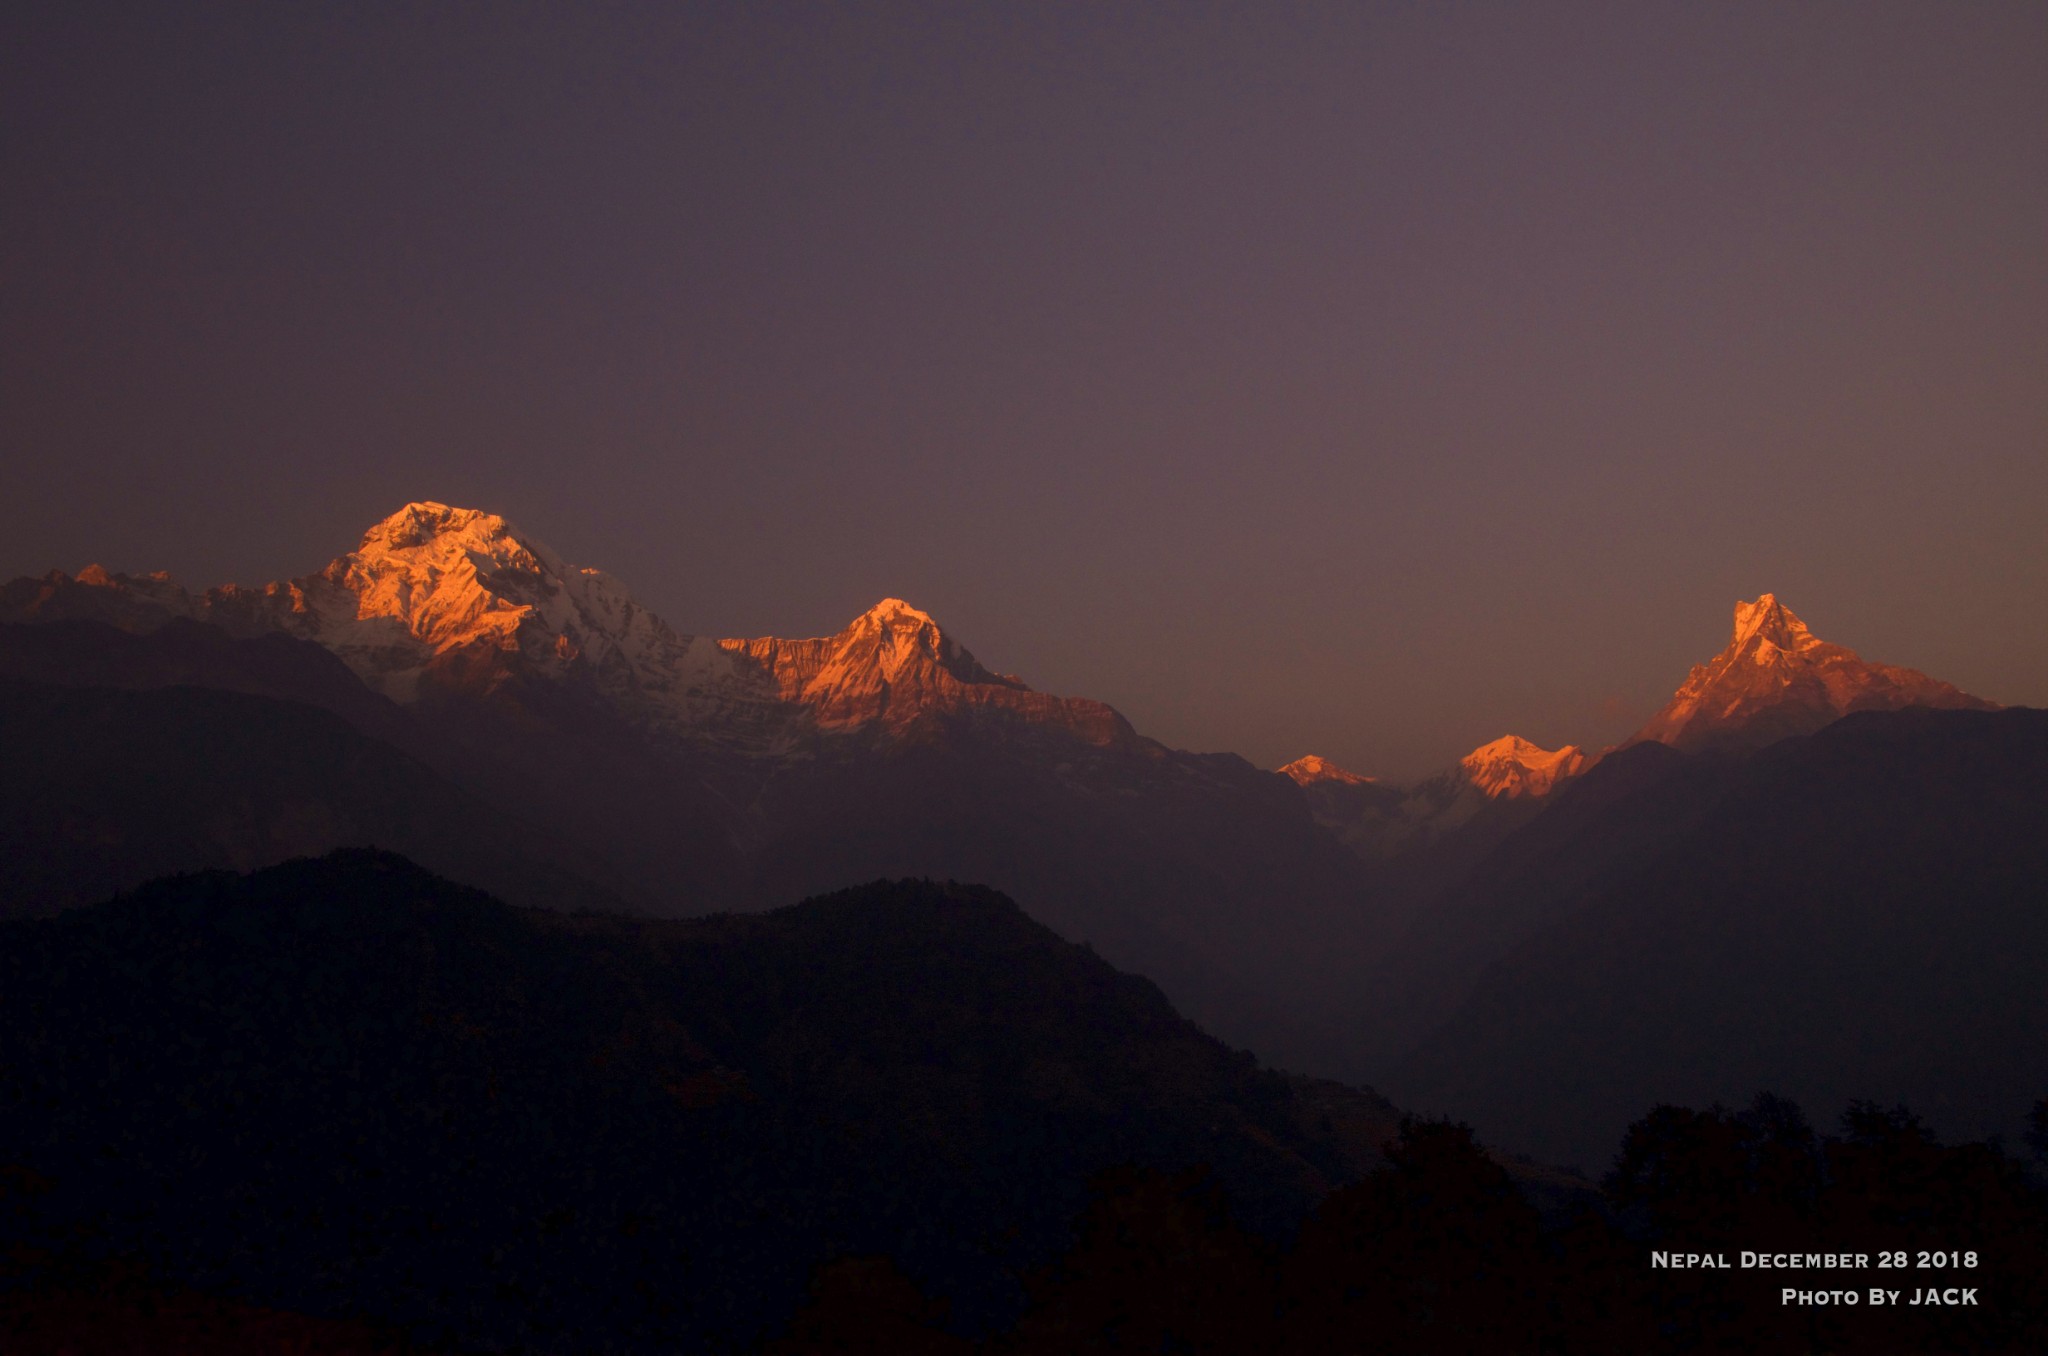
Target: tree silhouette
<point>867,1305</point>
<point>1437,1251</point>
<point>1159,1266</point>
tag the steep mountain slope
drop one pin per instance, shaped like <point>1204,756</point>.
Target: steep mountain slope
<point>102,790</point>
<point>1853,914</point>
<point>1777,679</point>
<point>346,1086</point>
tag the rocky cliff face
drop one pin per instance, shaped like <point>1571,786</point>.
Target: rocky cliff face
<point>1776,679</point>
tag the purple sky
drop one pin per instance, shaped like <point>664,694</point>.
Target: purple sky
<point>1364,379</point>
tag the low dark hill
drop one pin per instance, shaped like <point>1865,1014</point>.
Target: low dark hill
<point>1855,915</point>
<point>1201,872</point>
<point>101,790</point>
<point>344,1086</point>
<point>77,652</point>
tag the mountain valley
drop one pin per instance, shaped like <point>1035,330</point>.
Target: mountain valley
<point>454,689</point>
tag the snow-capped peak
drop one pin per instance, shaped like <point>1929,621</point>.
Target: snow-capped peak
<point>1513,766</point>
<point>895,610</point>
<point>1312,768</point>
<point>425,521</point>
<point>439,598</point>
<point>1770,621</point>
<point>431,579</point>
<point>893,667</point>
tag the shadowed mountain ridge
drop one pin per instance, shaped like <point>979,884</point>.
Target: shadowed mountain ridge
<point>345,1086</point>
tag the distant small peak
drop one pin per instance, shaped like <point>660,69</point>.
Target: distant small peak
<point>1514,747</point>
<point>1521,752</point>
<point>96,575</point>
<point>1312,768</point>
<point>1774,622</point>
<point>1513,766</point>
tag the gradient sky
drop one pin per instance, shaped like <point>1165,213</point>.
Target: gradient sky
<point>1362,379</point>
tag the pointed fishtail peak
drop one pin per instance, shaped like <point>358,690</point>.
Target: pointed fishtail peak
<point>1512,766</point>
<point>1312,768</point>
<point>1777,679</point>
<point>1770,622</point>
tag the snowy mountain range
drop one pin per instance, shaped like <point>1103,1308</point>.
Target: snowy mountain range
<point>438,601</point>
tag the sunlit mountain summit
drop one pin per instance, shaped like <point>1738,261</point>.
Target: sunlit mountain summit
<point>1498,784</point>
<point>1312,768</point>
<point>1776,679</point>
<point>893,668</point>
<point>439,602</point>
<point>1512,766</point>
<point>1503,769</point>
